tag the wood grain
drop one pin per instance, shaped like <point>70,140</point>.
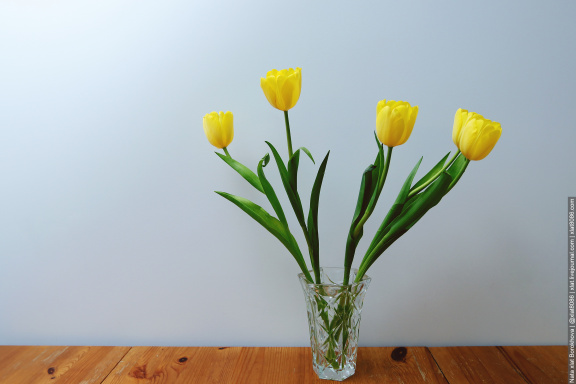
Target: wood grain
<point>475,365</point>
<point>267,365</point>
<point>238,365</point>
<point>175,365</point>
<point>540,364</point>
<point>63,364</point>
<point>375,365</point>
<point>274,365</point>
<point>396,365</point>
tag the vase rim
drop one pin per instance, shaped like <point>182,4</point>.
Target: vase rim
<point>365,278</point>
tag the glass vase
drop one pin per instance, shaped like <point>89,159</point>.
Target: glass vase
<point>334,321</point>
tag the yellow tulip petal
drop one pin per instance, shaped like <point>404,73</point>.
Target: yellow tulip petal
<point>227,126</point>
<point>281,85</point>
<point>288,91</point>
<point>219,128</point>
<point>397,124</point>
<point>469,136</point>
<point>474,135</point>
<point>394,121</point>
<point>268,86</point>
<point>381,124</point>
<point>282,88</point>
<point>485,142</point>
<point>459,121</point>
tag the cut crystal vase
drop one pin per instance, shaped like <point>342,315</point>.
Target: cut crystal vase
<point>334,320</point>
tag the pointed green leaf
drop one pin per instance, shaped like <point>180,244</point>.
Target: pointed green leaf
<point>425,201</point>
<point>313,213</point>
<point>308,153</point>
<point>293,170</point>
<point>409,216</point>
<point>292,195</point>
<point>432,172</point>
<point>396,207</point>
<point>273,225</point>
<point>367,186</point>
<point>379,164</point>
<point>293,166</point>
<point>457,169</point>
<point>269,191</point>
<point>244,171</point>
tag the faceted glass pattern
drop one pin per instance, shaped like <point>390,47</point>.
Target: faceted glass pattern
<point>334,321</point>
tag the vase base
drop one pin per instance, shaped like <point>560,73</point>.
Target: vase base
<point>329,373</point>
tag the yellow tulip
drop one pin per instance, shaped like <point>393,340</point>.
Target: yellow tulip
<point>282,88</point>
<point>394,121</point>
<point>474,135</point>
<point>219,128</point>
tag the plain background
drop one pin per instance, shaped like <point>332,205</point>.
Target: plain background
<point>111,234</point>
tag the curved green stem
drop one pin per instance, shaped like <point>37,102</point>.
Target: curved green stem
<point>415,191</point>
<point>288,136</point>
<point>226,152</point>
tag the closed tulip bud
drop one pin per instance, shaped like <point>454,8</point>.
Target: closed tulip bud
<point>474,135</point>
<point>282,88</point>
<point>219,128</point>
<point>394,121</point>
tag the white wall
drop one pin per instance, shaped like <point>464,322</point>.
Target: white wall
<point>110,232</point>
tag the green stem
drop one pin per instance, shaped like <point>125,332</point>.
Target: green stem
<point>288,136</point>
<point>415,191</point>
<point>226,152</point>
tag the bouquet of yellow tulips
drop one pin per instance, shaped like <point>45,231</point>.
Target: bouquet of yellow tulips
<point>473,135</point>
<point>333,303</point>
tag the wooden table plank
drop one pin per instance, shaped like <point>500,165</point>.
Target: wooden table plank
<point>375,365</point>
<point>463,365</point>
<point>396,365</point>
<point>274,365</point>
<point>175,365</point>
<point>63,364</point>
<point>540,364</point>
<point>267,365</point>
<point>183,365</point>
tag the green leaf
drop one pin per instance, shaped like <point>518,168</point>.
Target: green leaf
<point>292,195</point>
<point>307,152</point>
<point>432,172</point>
<point>422,204</point>
<point>382,249</point>
<point>396,208</point>
<point>457,169</point>
<point>367,187</point>
<point>293,166</point>
<point>313,213</point>
<point>379,164</point>
<point>269,191</point>
<point>293,170</point>
<point>273,225</point>
<point>409,216</point>
<point>244,171</point>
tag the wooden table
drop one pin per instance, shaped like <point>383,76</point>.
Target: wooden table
<point>179,365</point>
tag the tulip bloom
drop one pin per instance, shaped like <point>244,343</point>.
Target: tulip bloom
<point>282,88</point>
<point>394,121</point>
<point>219,128</point>
<point>474,135</point>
